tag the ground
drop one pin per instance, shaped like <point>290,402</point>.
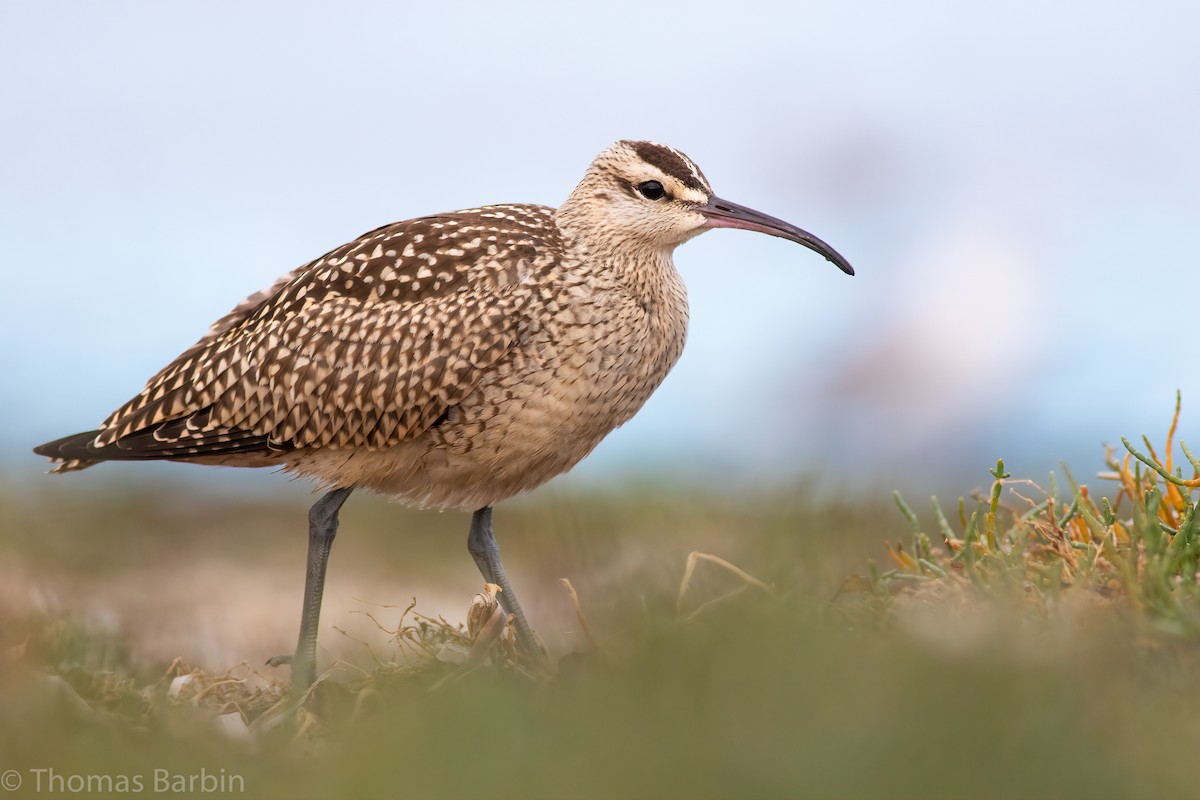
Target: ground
<point>1022,653</point>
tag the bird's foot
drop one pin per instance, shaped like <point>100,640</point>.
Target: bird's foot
<point>279,661</point>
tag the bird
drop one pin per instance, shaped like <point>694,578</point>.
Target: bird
<point>449,361</point>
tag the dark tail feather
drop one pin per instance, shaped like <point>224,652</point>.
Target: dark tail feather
<point>60,452</point>
<point>69,447</point>
<point>170,440</point>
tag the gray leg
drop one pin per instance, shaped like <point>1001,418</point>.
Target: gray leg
<point>322,527</point>
<point>482,544</point>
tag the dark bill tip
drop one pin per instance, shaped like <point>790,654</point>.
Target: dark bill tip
<point>724,214</point>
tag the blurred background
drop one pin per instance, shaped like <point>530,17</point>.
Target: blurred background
<point>1017,184</point>
<point>1018,188</point>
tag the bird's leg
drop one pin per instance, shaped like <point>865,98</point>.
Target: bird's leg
<point>322,527</point>
<point>482,544</point>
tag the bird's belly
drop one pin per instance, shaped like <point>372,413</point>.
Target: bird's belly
<point>515,437</point>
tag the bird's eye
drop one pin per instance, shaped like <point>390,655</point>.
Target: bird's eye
<point>651,190</point>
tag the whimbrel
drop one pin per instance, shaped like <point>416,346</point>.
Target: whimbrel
<point>449,361</point>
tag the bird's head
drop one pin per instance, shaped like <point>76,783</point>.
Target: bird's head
<point>655,195</point>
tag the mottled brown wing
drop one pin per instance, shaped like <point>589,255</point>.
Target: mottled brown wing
<point>364,347</point>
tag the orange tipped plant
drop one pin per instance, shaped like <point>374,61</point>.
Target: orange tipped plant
<point>1143,546</point>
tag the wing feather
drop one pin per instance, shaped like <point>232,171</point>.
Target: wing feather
<point>368,345</point>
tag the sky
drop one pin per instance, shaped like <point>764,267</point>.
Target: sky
<point>1017,185</point>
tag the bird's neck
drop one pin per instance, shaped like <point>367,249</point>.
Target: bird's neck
<point>645,271</point>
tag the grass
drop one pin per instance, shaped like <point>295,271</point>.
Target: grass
<point>1031,640</point>
<point>1046,547</point>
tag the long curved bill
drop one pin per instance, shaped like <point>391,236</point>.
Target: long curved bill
<point>724,214</point>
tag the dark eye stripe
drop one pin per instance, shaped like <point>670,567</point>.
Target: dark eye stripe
<point>670,162</point>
